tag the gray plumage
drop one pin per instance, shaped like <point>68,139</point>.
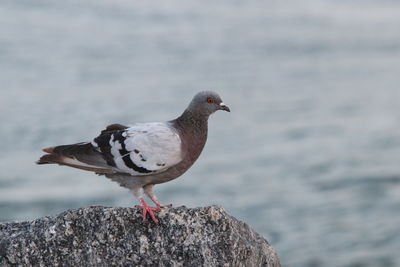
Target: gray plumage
<point>144,154</point>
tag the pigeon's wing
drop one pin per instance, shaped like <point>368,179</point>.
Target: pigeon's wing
<point>142,149</point>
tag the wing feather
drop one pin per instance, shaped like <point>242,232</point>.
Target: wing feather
<point>141,149</point>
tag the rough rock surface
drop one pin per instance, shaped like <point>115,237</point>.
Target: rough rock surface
<point>101,236</point>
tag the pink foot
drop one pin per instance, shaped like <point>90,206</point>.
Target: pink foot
<point>147,209</point>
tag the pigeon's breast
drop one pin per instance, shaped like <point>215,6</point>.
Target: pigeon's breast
<point>191,148</point>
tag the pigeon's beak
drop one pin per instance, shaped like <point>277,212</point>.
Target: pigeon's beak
<point>224,107</point>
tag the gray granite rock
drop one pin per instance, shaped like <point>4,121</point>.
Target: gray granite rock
<point>101,236</point>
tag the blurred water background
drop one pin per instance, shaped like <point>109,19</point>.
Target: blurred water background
<point>309,155</point>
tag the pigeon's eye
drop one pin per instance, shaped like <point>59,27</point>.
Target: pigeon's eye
<point>210,100</point>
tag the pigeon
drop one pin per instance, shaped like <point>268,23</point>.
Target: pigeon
<point>142,155</point>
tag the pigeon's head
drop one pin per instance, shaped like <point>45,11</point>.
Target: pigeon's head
<point>206,103</point>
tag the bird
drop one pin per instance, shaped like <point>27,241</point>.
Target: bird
<point>142,155</point>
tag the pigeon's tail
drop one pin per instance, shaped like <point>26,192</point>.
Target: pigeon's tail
<point>82,156</point>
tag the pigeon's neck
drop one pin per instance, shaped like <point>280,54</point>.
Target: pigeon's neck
<point>193,123</point>
<point>193,129</point>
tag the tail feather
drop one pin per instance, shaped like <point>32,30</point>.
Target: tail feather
<point>46,159</point>
<point>82,156</point>
<point>48,149</point>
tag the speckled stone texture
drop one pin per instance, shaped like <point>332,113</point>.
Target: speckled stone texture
<point>101,236</point>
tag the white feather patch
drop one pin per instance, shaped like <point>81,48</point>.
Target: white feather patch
<point>153,146</point>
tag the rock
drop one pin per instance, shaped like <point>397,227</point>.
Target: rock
<point>101,236</point>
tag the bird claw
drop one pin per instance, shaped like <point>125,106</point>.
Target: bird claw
<point>165,206</point>
<point>149,210</point>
